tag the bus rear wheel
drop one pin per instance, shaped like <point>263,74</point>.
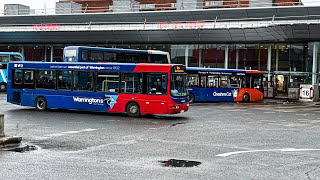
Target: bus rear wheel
<point>246,98</point>
<point>3,87</point>
<point>40,103</point>
<point>133,109</point>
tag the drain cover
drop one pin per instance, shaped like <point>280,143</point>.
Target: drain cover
<point>180,163</point>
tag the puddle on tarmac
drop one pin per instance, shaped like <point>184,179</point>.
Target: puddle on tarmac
<point>24,148</point>
<point>179,163</point>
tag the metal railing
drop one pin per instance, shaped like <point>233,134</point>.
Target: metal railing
<point>136,7</point>
<point>138,26</point>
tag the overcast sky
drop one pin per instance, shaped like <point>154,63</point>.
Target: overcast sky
<point>40,4</point>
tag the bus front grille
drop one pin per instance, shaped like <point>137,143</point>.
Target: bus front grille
<point>16,97</point>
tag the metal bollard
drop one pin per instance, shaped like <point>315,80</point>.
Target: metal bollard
<point>1,125</point>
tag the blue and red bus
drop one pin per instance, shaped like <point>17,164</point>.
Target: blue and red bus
<point>6,57</point>
<point>134,89</point>
<point>213,84</point>
<point>100,54</point>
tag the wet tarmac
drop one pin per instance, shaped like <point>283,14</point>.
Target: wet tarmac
<point>265,140</point>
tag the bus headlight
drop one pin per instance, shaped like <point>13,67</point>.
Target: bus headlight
<point>174,107</point>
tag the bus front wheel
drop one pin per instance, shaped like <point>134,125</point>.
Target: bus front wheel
<point>133,109</point>
<point>3,87</point>
<point>246,98</point>
<point>191,96</point>
<point>40,103</point>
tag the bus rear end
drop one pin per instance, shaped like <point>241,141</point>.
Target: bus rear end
<point>6,57</point>
<point>251,89</point>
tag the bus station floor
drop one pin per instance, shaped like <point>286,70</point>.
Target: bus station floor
<point>261,140</point>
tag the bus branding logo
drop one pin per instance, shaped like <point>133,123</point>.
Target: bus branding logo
<point>220,94</point>
<point>111,100</point>
<point>90,101</point>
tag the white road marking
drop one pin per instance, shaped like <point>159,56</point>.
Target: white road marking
<point>47,136</point>
<point>266,150</point>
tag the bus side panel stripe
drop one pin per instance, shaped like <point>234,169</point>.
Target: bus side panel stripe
<point>3,76</point>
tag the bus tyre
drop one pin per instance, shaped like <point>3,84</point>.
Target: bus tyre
<point>246,98</point>
<point>40,103</point>
<point>191,97</point>
<point>133,109</point>
<point>3,87</point>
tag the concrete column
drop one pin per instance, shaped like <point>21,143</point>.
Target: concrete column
<point>22,51</point>
<point>237,59</point>
<point>200,58</point>
<point>277,59</point>
<point>259,59</point>
<point>45,54</point>
<point>1,125</point>
<point>315,64</point>
<point>226,57</point>
<point>51,54</point>
<point>186,56</point>
<point>269,64</point>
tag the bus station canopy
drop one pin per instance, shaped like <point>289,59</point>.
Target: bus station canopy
<point>306,27</point>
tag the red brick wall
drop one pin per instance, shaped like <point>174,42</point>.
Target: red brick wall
<point>93,5</point>
<point>103,5</point>
<point>286,2</point>
<point>235,3</point>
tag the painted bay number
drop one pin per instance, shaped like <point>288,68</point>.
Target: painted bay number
<point>305,93</point>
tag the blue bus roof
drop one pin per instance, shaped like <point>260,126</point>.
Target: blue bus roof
<point>127,67</point>
<point>109,49</point>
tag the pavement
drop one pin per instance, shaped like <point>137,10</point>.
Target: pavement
<point>271,139</point>
<point>289,101</point>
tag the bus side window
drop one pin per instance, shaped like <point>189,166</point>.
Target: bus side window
<point>17,76</point>
<point>203,81</point>
<point>213,81</point>
<point>15,58</point>
<point>224,82</point>
<point>246,82</point>
<point>83,81</point>
<point>84,55</point>
<point>256,81</point>
<point>193,80</point>
<point>64,80</point>
<point>235,81</point>
<point>109,57</point>
<point>157,83</point>
<point>28,77</point>
<point>131,83</point>
<point>4,58</point>
<point>96,56</point>
<point>108,82</point>
<point>45,79</point>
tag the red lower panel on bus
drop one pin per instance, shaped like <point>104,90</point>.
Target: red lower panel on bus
<point>254,94</point>
<point>149,104</point>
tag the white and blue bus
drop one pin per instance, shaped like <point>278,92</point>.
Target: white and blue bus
<point>214,85</point>
<point>6,57</point>
<point>104,55</point>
